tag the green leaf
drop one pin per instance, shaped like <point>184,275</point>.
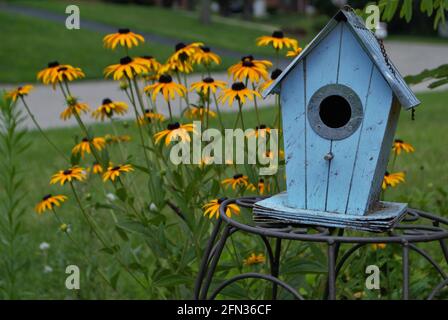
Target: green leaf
<point>427,6</point>
<point>114,279</point>
<point>122,194</point>
<point>438,83</point>
<point>111,250</point>
<point>406,10</point>
<point>173,280</point>
<point>121,233</point>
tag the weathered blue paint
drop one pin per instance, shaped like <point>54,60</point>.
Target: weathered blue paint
<point>374,128</point>
<point>321,69</point>
<point>294,128</point>
<point>355,72</point>
<point>335,179</point>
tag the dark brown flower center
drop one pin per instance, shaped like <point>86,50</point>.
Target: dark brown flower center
<point>238,176</point>
<point>148,57</point>
<point>67,172</point>
<point>247,58</point>
<point>387,173</point>
<point>124,31</point>
<point>125,60</point>
<point>107,101</point>
<point>208,80</point>
<point>85,140</point>
<point>53,64</point>
<point>398,141</point>
<point>261,181</point>
<point>248,63</point>
<point>116,168</point>
<point>278,34</point>
<point>179,46</point>
<point>62,69</point>
<point>238,86</point>
<point>262,126</point>
<point>165,78</point>
<point>205,49</point>
<point>275,74</point>
<point>48,196</point>
<point>221,200</point>
<point>173,126</point>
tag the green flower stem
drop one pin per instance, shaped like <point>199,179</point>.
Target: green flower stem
<point>80,249</point>
<point>169,109</point>
<point>100,238</point>
<point>80,122</point>
<point>240,107</point>
<point>132,99</point>
<point>219,112</point>
<point>42,132</point>
<point>256,106</point>
<point>139,96</point>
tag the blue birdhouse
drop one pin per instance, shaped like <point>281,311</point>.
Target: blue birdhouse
<point>340,101</point>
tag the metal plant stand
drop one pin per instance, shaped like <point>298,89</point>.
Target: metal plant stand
<point>416,227</point>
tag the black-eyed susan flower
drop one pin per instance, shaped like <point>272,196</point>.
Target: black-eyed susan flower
<point>66,73</point>
<point>127,68</point>
<point>97,168</point>
<point>274,75</point>
<point>68,175</point>
<point>116,139</point>
<point>400,145</point>
<point>238,180</point>
<point>167,87</point>
<point>150,116</point>
<point>176,66</point>
<point>113,172</point>
<point>249,68</point>
<point>74,107</point>
<point>378,246</point>
<point>19,92</point>
<point>260,131</point>
<point>183,52</point>
<point>211,209</point>
<point>45,74</point>
<point>151,63</point>
<point>277,40</point>
<point>174,132</point>
<point>239,92</point>
<point>254,259</point>
<point>263,186</point>
<point>392,179</point>
<point>49,202</point>
<point>294,52</point>
<point>56,72</point>
<point>207,85</point>
<point>124,37</point>
<point>198,112</point>
<point>206,57</point>
<point>85,145</point>
<point>108,108</point>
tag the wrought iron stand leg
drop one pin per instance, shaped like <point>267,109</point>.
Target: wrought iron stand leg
<point>214,262</point>
<point>205,260</point>
<point>331,271</point>
<point>405,271</point>
<point>276,266</point>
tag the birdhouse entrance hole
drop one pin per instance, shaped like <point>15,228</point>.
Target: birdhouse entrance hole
<point>335,111</point>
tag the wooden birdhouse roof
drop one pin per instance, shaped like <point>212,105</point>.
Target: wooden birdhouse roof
<point>371,46</point>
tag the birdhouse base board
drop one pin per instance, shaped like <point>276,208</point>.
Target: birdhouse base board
<point>273,211</point>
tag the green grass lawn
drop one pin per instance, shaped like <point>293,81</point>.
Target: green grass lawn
<point>31,42</point>
<point>225,33</point>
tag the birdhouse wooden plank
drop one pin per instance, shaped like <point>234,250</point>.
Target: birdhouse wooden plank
<point>340,99</point>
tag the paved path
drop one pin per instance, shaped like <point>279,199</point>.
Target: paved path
<point>410,58</point>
